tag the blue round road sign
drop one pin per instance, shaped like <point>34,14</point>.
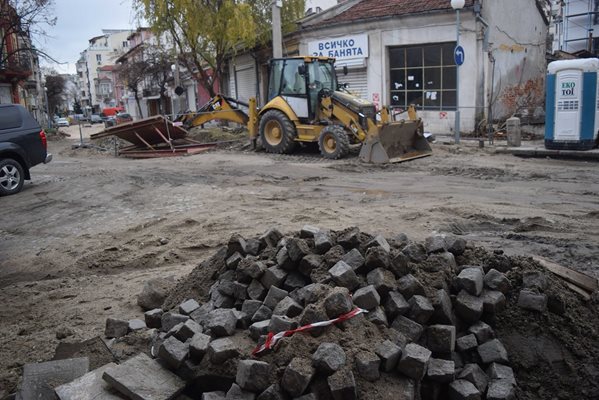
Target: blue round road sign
<point>459,55</point>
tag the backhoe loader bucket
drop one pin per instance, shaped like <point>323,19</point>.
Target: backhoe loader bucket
<point>396,142</point>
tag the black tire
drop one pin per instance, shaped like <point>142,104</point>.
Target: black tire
<point>12,177</point>
<point>277,133</point>
<point>333,142</point>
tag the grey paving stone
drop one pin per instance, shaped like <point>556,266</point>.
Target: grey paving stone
<point>441,338</point>
<point>153,293</point>
<point>233,261</point>
<point>308,231</point>
<point>435,244</point>
<point>530,300</point>
<point>482,331</point>
<point>439,370</point>
<point>466,342</point>
<point>354,259</point>
<point>221,322</point>
<point>237,393</point>
<point>443,313</point>
<point>271,237</point>
<point>89,387</point>
<point>173,352</point>
<point>170,319</point>
<point>308,264</point>
<point>379,241</point>
<point>297,376</point>
<point>493,351</point>
<point>389,353</point>
<point>475,375</point>
<point>366,297</point>
<point>273,392</point>
<point>220,350</point>
<point>493,301</point>
<point>288,307</point>
<point>153,318</point>
<point>408,285</point>
<point>328,358</point>
<point>499,371</point>
<point>273,276</point>
<point>338,302</point>
<point>471,280</point>
<point>343,385</point>
<point>468,307</point>
<point>343,275</point>
<point>280,323</point>
<point>377,316</point>
<point>368,365</point>
<point>461,389</point>
<point>421,309</point>
<point>116,328</point>
<point>40,379</point>
<point>496,280</point>
<point>141,378</point>
<point>259,328</point>
<point>253,375</point>
<point>376,257</point>
<point>411,329</point>
<point>322,242</point>
<point>535,280</point>
<point>136,325</point>
<point>187,330</point>
<point>256,291</point>
<point>383,281</point>
<point>501,389</point>
<point>396,305</point>
<point>455,245</point>
<point>414,361</point>
<point>415,252</point>
<point>274,296</point>
<point>198,346</point>
<point>297,249</point>
<point>216,395</point>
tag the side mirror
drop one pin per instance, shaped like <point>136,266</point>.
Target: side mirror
<point>301,69</point>
<point>345,71</point>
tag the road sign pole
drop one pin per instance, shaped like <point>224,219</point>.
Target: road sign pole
<point>457,84</point>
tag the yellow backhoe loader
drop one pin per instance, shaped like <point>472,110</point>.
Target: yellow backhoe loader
<point>307,104</point>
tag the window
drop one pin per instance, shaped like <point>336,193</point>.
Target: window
<point>105,88</point>
<point>424,76</point>
<point>125,44</point>
<point>99,58</point>
<point>83,93</point>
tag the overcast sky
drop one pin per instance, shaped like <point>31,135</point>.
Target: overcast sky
<point>79,21</point>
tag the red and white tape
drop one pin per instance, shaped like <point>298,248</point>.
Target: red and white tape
<point>272,339</point>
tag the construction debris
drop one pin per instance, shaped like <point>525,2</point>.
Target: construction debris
<point>378,318</point>
<point>154,137</point>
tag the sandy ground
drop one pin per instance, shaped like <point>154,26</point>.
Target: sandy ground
<point>77,244</point>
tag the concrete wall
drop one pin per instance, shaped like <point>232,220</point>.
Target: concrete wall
<point>517,38</point>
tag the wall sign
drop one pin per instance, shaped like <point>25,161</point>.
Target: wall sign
<point>354,46</point>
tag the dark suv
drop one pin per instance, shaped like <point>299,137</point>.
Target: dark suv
<point>23,145</point>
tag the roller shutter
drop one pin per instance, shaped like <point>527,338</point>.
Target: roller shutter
<point>357,79</point>
<point>245,76</point>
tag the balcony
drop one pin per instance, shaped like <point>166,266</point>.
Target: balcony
<point>16,67</point>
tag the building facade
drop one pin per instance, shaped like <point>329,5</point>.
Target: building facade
<point>576,27</point>
<point>401,52</point>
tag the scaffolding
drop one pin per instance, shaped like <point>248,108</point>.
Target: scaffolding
<point>579,19</point>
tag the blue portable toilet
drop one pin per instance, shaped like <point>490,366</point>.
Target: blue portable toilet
<point>572,104</point>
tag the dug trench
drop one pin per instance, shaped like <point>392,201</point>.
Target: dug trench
<point>445,319</point>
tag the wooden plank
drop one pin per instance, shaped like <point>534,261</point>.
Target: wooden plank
<point>585,295</point>
<point>581,280</point>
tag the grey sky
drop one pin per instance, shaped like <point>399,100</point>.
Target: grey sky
<point>79,21</point>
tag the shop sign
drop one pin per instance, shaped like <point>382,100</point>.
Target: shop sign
<point>355,46</point>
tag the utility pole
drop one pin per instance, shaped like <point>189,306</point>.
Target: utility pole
<point>277,37</point>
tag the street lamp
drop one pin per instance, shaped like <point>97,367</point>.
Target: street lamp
<point>457,5</point>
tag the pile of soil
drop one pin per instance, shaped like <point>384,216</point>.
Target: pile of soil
<point>217,134</point>
<point>553,353</point>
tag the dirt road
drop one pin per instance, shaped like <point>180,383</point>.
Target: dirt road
<point>77,244</point>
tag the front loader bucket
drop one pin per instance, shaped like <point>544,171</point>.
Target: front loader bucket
<point>396,142</point>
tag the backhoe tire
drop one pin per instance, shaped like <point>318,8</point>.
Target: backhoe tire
<point>277,133</point>
<point>333,142</point>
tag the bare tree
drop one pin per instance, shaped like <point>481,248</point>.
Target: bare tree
<point>133,73</point>
<point>55,90</point>
<point>21,22</point>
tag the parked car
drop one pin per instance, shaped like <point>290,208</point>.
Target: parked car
<point>23,145</point>
<point>96,119</point>
<point>121,118</point>
<point>109,121</point>
<point>63,122</point>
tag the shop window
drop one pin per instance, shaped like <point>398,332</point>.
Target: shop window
<point>424,76</point>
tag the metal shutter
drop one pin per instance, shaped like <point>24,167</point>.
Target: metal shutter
<point>357,79</point>
<point>245,75</point>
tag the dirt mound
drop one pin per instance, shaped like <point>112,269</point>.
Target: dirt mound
<point>554,352</point>
<point>211,135</point>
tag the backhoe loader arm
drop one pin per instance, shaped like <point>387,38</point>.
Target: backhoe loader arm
<point>221,107</point>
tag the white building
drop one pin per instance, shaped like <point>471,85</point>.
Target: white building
<point>102,50</point>
<point>401,52</point>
